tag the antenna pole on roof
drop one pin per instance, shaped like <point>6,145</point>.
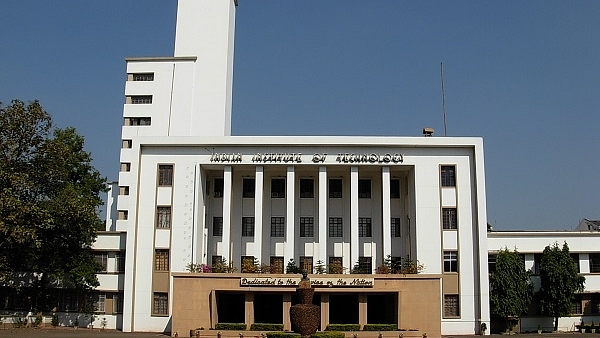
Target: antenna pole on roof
<point>443,96</point>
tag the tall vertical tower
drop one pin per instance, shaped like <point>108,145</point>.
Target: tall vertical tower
<point>184,95</point>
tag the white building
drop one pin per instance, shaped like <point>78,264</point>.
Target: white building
<point>189,192</point>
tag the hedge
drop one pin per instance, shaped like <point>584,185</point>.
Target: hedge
<point>282,335</point>
<point>343,327</point>
<point>380,327</point>
<point>330,334</point>
<point>230,326</point>
<point>266,327</point>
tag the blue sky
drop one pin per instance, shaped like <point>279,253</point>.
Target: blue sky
<point>524,75</point>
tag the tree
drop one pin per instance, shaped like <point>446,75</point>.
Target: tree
<point>511,290</point>
<point>559,282</point>
<point>49,196</point>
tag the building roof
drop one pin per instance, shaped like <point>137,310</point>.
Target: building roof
<point>587,224</point>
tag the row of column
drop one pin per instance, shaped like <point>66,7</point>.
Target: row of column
<point>290,213</point>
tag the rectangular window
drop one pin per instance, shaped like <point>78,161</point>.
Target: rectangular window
<point>102,259</point>
<point>335,188</point>
<point>127,144</point>
<point>594,262</point>
<point>161,303</point>
<point>306,264</point>
<point>125,167</point>
<point>395,188</point>
<point>118,303</point>
<point>595,303</point>
<point>248,264</point>
<point>140,99</point>
<point>365,264</point>
<point>100,302</point>
<point>142,77</point>
<point>124,191</point>
<point>216,260</point>
<point>396,229</point>
<point>217,226</point>
<point>120,262</point>
<point>307,227</point>
<point>161,260</point>
<point>492,263</point>
<point>247,226</point>
<point>278,188</point>
<point>335,227</point>
<point>450,261</point>
<point>123,215</point>
<point>576,308</point>
<point>138,121</point>
<point>248,187</point>
<point>537,260</point>
<point>163,217</point>
<point>364,227</point>
<point>276,264</point>
<point>307,188</point>
<point>448,176</point>
<point>575,257</point>
<point>364,188</point>
<point>219,186</point>
<point>335,265</point>
<point>449,220</point>
<point>451,308</point>
<point>165,175</point>
<point>277,226</point>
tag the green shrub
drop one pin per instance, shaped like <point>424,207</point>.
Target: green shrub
<point>230,326</point>
<point>329,334</point>
<point>282,335</point>
<point>54,319</point>
<point>380,327</point>
<point>343,327</point>
<point>266,327</point>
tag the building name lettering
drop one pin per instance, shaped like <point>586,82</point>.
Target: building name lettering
<point>361,158</point>
<point>315,282</point>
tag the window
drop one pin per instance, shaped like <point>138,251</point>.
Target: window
<point>278,188</point>
<point>163,217</point>
<point>276,264</point>
<point>451,308</point>
<point>595,303</point>
<point>161,260</point>
<point>335,265</point>
<point>576,308</point>
<point>364,264</point>
<point>364,227</point>
<point>118,303</point>
<point>217,226</point>
<point>364,188</point>
<point>537,260</point>
<point>120,262</point>
<point>449,220</point>
<point>395,188</point>
<point>307,227</point>
<point>161,303</point>
<point>102,258</point>
<point>248,187</point>
<point>219,187</point>
<point>247,226</point>
<point>165,175</point>
<point>140,99</point>
<point>335,227</point>
<point>125,167</point>
<point>248,264</point>
<point>448,176</point>
<point>100,302</point>
<point>335,188</point>
<point>277,226</point>
<point>307,188</point>
<point>594,262</point>
<point>141,77</point>
<point>123,215</point>
<point>138,121</point>
<point>306,264</point>
<point>450,261</point>
<point>396,229</point>
<point>575,258</point>
<point>124,190</point>
<point>127,144</point>
<point>492,263</point>
<point>216,260</point>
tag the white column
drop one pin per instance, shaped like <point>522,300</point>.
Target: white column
<point>258,213</point>
<point>290,200</point>
<point>386,215</point>
<point>322,222</point>
<point>226,239</point>
<point>353,216</point>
